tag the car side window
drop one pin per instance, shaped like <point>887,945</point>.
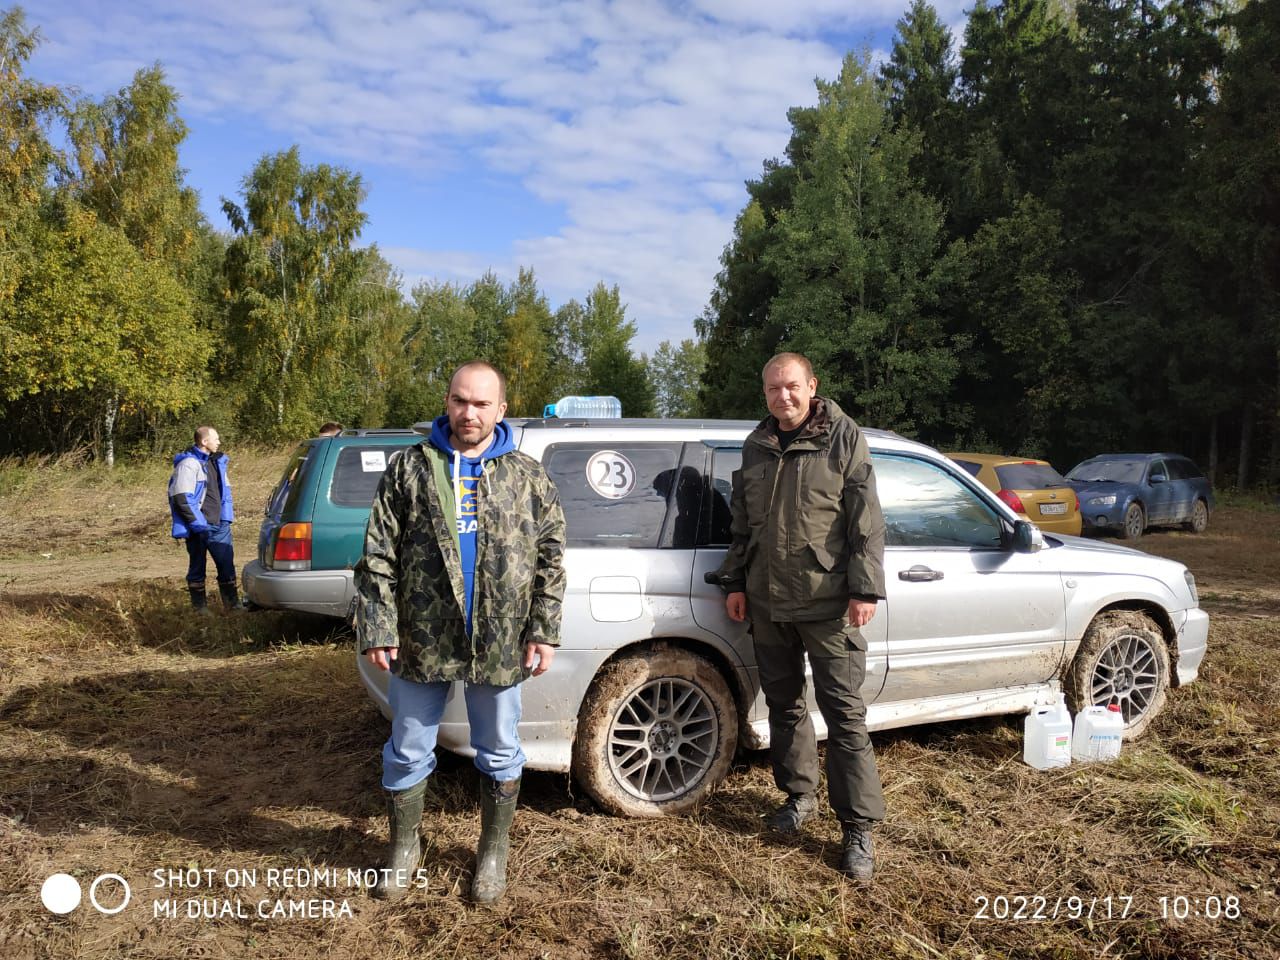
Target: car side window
<point>616,495</point>
<point>278,499</point>
<point>1157,469</point>
<point>925,506</point>
<point>724,461</point>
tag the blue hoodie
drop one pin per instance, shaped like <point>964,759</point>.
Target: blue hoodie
<point>466,473</point>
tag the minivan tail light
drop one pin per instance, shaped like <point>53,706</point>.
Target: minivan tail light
<point>1012,499</point>
<point>293,547</point>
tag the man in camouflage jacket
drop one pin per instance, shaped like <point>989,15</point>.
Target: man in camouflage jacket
<point>806,566</point>
<point>461,580</point>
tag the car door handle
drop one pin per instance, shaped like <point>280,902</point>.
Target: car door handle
<point>920,574</point>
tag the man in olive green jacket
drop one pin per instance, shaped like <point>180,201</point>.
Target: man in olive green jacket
<point>461,579</point>
<point>806,566</point>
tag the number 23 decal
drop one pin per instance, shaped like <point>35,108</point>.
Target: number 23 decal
<point>611,474</point>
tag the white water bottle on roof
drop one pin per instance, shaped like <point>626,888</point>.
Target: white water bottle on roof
<point>591,408</point>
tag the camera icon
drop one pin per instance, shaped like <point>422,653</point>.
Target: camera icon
<point>61,893</point>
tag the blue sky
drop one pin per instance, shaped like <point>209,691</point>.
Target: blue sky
<point>588,140</point>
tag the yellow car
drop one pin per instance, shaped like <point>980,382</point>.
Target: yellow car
<point>1032,487</point>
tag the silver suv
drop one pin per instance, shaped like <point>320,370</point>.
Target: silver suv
<point>654,688</point>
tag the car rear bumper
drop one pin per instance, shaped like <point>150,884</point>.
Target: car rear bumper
<point>1193,640</point>
<point>327,592</point>
<point>1069,525</point>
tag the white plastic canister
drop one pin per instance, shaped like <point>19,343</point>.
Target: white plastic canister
<point>1098,733</point>
<point>1046,735</point>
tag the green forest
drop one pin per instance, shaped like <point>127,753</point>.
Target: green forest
<point>1055,235</point>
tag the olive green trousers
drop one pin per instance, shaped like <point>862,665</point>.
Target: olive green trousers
<point>838,661</point>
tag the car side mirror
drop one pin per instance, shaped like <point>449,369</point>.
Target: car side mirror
<point>1027,537</point>
<point>1158,478</point>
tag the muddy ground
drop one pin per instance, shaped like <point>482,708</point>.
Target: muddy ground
<point>135,740</point>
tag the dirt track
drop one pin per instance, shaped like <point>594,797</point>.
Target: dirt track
<point>132,739</point>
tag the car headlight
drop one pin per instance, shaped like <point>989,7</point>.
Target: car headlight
<point>1109,501</point>
<point>1191,585</point>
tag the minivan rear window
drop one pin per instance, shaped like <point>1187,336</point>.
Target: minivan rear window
<point>357,473</point>
<point>1029,476</point>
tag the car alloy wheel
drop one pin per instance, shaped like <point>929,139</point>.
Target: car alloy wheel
<point>1199,521</point>
<point>1123,659</point>
<point>656,733</point>
<point>1134,522</point>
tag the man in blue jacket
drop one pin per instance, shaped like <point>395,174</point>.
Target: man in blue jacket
<point>200,500</point>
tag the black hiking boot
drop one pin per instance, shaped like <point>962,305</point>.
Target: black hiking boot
<point>798,808</point>
<point>857,858</point>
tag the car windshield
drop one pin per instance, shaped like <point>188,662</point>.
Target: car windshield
<point>1029,476</point>
<point>1116,471</point>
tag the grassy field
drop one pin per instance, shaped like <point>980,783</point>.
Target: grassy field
<point>134,739</point>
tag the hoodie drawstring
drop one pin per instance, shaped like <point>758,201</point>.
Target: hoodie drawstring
<point>457,485</point>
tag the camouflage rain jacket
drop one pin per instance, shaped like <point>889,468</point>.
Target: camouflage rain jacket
<point>409,583</point>
<point>808,532</point>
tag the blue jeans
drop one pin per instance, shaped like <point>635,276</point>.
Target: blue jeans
<point>493,713</point>
<point>217,542</point>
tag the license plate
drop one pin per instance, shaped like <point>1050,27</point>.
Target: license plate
<point>1052,509</point>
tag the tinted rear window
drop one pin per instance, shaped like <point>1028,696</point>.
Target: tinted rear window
<point>357,473</point>
<point>1029,476</point>
<point>968,466</point>
<point>618,496</point>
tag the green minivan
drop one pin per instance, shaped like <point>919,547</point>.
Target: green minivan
<point>312,533</point>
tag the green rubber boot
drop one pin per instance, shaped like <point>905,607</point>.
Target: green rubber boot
<point>497,810</point>
<point>404,813</point>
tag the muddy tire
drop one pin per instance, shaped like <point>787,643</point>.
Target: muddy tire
<point>656,732</point>
<point>1135,522</point>
<point>1199,521</point>
<point>1122,659</point>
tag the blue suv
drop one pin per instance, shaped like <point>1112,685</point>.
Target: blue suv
<point>1129,492</point>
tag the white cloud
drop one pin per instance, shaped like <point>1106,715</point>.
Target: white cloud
<point>439,266</point>
<point>640,119</point>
